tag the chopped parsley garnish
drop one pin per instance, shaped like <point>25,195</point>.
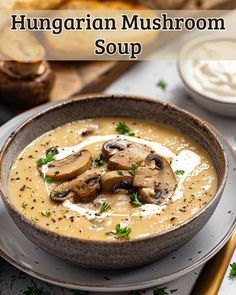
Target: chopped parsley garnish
<point>64,211</point>
<point>120,173</point>
<point>24,205</point>
<point>34,290</point>
<point>34,219</point>
<point>104,207</point>
<point>46,214</point>
<point>133,169</point>
<point>122,128</point>
<point>47,179</point>
<point>123,232</point>
<point>162,84</point>
<point>179,172</point>
<point>49,158</point>
<point>100,160</point>
<point>56,193</point>
<point>232,273</point>
<point>135,200</point>
<point>160,291</point>
<point>82,187</point>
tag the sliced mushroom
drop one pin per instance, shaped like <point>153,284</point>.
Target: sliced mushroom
<point>134,153</point>
<point>156,180</point>
<point>89,131</point>
<point>70,167</point>
<point>84,188</point>
<point>115,180</point>
<point>61,193</point>
<point>87,190</point>
<point>110,148</point>
<point>52,151</point>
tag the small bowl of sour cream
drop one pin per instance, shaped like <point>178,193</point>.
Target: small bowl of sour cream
<point>207,67</point>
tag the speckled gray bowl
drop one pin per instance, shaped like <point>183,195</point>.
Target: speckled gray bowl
<point>112,254</point>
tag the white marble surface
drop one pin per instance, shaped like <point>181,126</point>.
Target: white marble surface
<point>140,80</point>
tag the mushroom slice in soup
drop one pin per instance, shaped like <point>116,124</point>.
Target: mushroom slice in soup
<point>156,180</point>
<point>116,180</point>
<point>70,167</point>
<point>110,148</point>
<point>52,151</point>
<point>133,153</point>
<point>84,188</point>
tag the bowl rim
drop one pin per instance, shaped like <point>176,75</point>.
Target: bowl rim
<point>90,97</point>
<point>182,59</point>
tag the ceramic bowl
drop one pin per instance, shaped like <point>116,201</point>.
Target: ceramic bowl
<point>223,106</point>
<point>112,254</point>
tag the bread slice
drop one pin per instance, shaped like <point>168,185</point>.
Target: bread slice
<point>162,4</point>
<point>67,43</point>
<point>30,4</point>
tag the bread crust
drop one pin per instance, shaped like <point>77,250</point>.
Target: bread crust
<point>64,45</point>
<point>36,4</point>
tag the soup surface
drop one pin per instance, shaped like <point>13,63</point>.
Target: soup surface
<point>112,179</point>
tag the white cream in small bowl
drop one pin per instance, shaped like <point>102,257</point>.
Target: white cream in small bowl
<point>207,67</point>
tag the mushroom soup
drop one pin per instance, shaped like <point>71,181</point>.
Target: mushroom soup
<point>111,179</point>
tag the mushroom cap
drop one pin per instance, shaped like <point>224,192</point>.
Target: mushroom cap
<point>84,188</point>
<point>61,193</point>
<point>70,167</point>
<point>114,180</point>
<point>134,153</point>
<point>155,180</point>
<point>52,151</point>
<point>111,147</point>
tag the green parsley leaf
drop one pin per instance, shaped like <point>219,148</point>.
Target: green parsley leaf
<point>49,158</point>
<point>160,291</point>
<point>100,160</point>
<point>34,290</point>
<point>46,214</point>
<point>64,211</point>
<point>104,207</point>
<point>24,205</point>
<point>162,84</point>
<point>120,173</point>
<point>34,219</point>
<point>56,193</point>
<point>123,232</point>
<point>133,169</point>
<point>232,273</point>
<point>179,172</point>
<point>135,200</point>
<point>122,128</point>
<point>47,179</point>
<point>82,187</point>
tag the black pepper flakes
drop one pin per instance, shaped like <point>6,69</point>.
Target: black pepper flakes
<point>23,188</point>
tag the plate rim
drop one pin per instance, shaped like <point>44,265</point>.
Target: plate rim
<point>112,288</point>
<point>127,287</point>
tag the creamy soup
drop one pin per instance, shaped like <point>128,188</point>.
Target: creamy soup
<point>112,179</point>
